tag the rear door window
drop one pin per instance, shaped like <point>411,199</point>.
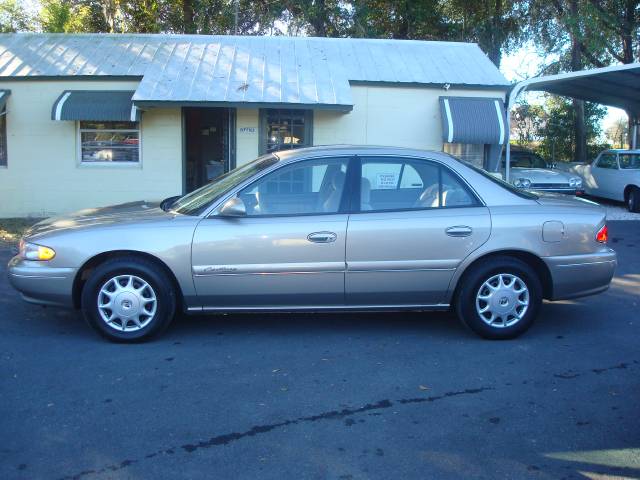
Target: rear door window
<point>410,184</point>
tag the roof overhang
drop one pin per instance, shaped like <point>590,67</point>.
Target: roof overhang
<point>144,104</point>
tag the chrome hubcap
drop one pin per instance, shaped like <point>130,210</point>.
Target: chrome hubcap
<point>502,300</point>
<point>127,303</point>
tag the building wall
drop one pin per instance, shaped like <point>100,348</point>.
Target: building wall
<point>247,143</point>
<point>43,175</point>
<point>390,116</point>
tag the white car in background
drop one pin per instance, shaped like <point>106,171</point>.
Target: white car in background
<point>614,174</point>
<point>529,171</point>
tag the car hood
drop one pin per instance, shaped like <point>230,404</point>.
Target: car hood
<point>93,217</point>
<point>541,175</point>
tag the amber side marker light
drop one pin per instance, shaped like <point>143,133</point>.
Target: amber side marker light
<point>603,234</point>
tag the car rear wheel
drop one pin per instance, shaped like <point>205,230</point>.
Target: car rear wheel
<point>499,298</point>
<point>633,200</point>
<point>128,299</point>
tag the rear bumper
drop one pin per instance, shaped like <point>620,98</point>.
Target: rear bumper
<point>581,275</point>
<point>40,283</point>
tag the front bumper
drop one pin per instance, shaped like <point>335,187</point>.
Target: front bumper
<point>40,283</point>
<point>581,275</point>
<point>565,190</point>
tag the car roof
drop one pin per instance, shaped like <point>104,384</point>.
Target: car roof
<point>623,150</point>
<point>285,155</point>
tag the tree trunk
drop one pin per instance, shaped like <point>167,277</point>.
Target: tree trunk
<point>580,152</point>
<point>187,16</point>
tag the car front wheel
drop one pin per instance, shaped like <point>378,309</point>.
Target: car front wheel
<point>499,298</point>
<point>128,299</point>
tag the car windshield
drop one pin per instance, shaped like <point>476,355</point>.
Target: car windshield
<point>196,202</point>
<point>629,161</point>
<point>498,181</point>
<point>519,160</point>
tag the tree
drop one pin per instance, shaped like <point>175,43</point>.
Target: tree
<point>496,25</point>
<point>557,131</point>
<point>527,121</point>
<point>63,16</point>
<point>617,132</point>
<point>13,17</point>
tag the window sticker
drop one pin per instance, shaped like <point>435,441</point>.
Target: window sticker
<point>385,181</point>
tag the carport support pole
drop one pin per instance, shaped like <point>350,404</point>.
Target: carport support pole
<point>634,136</point>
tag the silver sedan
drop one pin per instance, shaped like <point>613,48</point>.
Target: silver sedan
<point>326,228</point>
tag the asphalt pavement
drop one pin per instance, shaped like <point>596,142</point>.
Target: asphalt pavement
<point>327,396</point>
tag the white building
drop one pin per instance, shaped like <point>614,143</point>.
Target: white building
<point>92,120</point>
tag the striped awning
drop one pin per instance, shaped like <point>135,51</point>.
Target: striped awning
<point>473,120</point>
<point>4,94</point>
<point>96,105</point>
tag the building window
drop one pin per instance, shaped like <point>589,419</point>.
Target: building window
<point>285,129</point>
<point>474,153</point>
<point>3,138</point>
<point>112,142</point>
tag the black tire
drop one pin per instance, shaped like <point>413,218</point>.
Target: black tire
<point>633,200</point>
<point>144,270</point>
<point>469,287</point>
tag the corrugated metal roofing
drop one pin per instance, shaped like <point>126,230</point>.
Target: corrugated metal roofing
<point>271,70</point>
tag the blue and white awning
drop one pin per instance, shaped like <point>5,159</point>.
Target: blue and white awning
<point>473,120</point>
<point>96,105</point>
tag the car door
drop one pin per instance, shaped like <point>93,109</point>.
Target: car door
<point>416,221</point>
<point>604,174</point>
<point>289,248</point>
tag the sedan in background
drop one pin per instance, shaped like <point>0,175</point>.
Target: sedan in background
<point>614,174</point>
<point>323,229</point>
<point>529,171</point>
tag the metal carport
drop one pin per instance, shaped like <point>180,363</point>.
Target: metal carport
<point>616,86</point>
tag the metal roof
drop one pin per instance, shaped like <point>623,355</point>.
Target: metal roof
<point>616,86</point>
<point>242,69</point>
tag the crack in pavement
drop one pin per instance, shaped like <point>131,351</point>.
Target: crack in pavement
<point>227,438</point>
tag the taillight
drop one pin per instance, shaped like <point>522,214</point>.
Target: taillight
<point>603,234</point>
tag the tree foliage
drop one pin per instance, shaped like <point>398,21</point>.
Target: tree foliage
<point>13,17</point>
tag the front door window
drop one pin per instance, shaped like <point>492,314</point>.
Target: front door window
<point>304,188</point>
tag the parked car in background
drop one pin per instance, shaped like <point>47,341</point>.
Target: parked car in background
<point>325,228</point>
<point>614,174</point>
<point>529,171</point>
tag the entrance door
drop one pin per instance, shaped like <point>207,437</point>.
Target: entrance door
<point>209,145</point>
<point>288,251</point>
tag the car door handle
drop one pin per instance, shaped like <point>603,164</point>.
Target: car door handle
<point>459,231</point>
<point>322,237</point>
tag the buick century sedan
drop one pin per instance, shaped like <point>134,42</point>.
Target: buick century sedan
<point>323,229</point>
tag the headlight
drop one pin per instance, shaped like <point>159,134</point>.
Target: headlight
<point>31,251</point>
<point>575,182</point>
<point>522,183</point>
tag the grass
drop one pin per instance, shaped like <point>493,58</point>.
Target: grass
<point>11,229</point>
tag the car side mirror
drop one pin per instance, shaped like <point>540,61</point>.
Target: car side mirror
<point>234,207</point>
